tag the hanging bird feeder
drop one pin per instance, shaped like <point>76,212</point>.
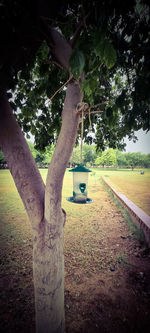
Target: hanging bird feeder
<point>80,185</point>
<point>80,173</point>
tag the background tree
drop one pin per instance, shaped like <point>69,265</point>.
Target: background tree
<point>42,47</point>
<point>146,160</point>
<point>33,151</point>
<point>107,158</point>
<point>134,159</point>
<point>121,159</point>
<point>88,154</point>
<point>98,160</point>
<point>43,158</point>
<point>75,157</point>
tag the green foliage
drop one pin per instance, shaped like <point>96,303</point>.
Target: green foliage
<point>127,160</point>
<point>34,152</point>
<point>47,155</point>
<point>75,157</point>
<point>121,159</point>
<point>137,159</point>
<point>42,158</point>
<point>104,50</point>
<point>88,86</point>
<point>77,63</point>
<point>110,157</point>
<point>98,161</point>
<point>88,155</point>
<point>107,157</point>
<point>2,158</point>
<point>112,50</point>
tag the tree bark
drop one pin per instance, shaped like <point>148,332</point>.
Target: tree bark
<point>45,213</point>
<point>21,164</point>
<point>48,261</point>
<point>60,48</point>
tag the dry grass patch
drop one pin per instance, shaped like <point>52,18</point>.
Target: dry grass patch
<point>107,270</point>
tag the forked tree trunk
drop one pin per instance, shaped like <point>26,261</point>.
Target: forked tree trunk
<point>48,252</point>
<point>45,214</point>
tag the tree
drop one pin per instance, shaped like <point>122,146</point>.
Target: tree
<point>95,44</point>
<point>88,155</point>
<point>43,158</point>
<point>108,158</point>
<point>76,156</point>
<point>145,160</point>
<point>133,159</point>
<point>121,159</point>
<point>98,160</point>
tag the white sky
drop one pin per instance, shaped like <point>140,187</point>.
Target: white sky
<point>142,145</point>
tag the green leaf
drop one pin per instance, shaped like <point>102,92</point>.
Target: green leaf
<point>93,83</point>
<point>105,50</point>
<point>77,63</point>
<point>100,46</point>
<point>89,86</point>
<point>110,55</point>
<point>86,88</point>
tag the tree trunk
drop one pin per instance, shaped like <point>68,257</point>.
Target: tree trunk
<point>45,213</point>
<point>21,164</point>
<point>48,259</point>
<point>48,270</point>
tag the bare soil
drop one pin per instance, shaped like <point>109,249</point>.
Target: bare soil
<point>107,278</point>
<point>107,273</point>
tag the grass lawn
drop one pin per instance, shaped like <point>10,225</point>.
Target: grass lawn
<point>131,183</point>
<point>135,186</point>
<point>107,271</point>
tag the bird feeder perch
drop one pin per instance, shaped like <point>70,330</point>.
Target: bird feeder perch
<point>80,185</point>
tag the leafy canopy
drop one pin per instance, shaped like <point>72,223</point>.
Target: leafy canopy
<point>113,50</point>
<point>107,157</point>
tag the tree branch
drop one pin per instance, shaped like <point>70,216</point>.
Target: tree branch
<point>61,49</point>
<point>80,26</point>
<point>63,150</point>
<point>21,164</point>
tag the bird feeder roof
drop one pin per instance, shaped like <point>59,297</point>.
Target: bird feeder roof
<point>80,168</point>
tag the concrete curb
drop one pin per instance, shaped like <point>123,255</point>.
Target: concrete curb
<point>140,217</point>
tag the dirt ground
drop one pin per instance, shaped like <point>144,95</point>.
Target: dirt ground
<point>107,274</point>
<point>107,286</point>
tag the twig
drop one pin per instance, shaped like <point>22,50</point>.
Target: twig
<point>96,111</point>
<point>50,99</point>
<point>86,112</point>
<point>94,106</point>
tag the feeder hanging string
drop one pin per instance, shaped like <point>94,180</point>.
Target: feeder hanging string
<point>82,128</point>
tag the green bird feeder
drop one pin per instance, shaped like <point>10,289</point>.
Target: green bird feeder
<point>80,184</point>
